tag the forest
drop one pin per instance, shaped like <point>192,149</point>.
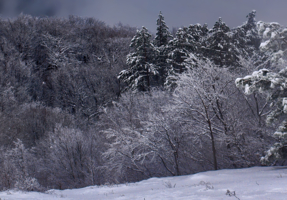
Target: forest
<point>83,103</point>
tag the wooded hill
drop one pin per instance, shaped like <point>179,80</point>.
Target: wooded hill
<point>83,103</point>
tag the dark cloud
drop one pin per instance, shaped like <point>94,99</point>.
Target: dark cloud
<point>144,12</point>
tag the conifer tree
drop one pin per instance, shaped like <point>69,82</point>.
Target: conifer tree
<point>246,41</point>
<point>160,42</point>
<point>274,85</point>
<point>162,35</point>
<point>186,44</point>
<point>218,46</point>
<point>274,42</point>
<point>246,38</point>
<point>141,69</point>
<point>198,34</point>
<point>179,49</point>
<point>250,27</point>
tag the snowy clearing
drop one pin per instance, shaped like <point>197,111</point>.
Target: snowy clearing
<point>252,183</point>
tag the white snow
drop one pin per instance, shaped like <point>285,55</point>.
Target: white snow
<point>258,183</point>
<point>265,34</point>
<point>284,104</point>
<point>264,44</point>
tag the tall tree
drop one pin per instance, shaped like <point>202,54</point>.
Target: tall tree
<point>141,68</point>
<point>218,46</point>
<point>250,27</point>
<point>198,34</point>
<point>179,49</point>
<point>163,35</point>
<point>217,114</point>
<point>160,42</point>
<point>147,138</point>
<point>200,97</point>
<point>274,85</point>
<point>274,42</point>
<point>246,37</point>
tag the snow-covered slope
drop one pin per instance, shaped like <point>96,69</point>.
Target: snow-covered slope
<point>258,183</point>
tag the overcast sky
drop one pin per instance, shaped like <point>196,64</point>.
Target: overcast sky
<point>139,13</point>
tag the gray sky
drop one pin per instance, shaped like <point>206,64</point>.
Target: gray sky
<point>145,12</point>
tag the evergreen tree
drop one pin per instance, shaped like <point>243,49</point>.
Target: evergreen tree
<point>274,42</point>
<point>239,40</point>
<point>198,32</point>
<point>246,38</point>
<point>179,49</point>
<point>250,28</point>
<point>141,68</point>
<point>162,35</point>
<point>186,44</point>
<point>274,85</point>
<point>160,42</point>
<point>218,46</point>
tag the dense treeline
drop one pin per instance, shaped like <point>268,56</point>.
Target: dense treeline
<point>83,103</point>
<point>55,73</point>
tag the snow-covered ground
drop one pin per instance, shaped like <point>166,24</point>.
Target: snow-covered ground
<point>258,183</point>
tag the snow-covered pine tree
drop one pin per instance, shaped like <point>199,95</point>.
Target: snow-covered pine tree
<point>161,39</point>
<point>246,38</point>
<point>218,46</point>
<point>274,42</point>
<point>179,49</point>
<point>163,35</point>
<point>275,86</point>
<point>239,40</point>
<point>246,41</point>
<point>198,33</point>
<point>141,69</point>
<point>251,30</point>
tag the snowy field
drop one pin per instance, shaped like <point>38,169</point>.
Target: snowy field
<point>258,183</point>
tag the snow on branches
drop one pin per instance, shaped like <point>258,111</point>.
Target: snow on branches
<point>275,86</point>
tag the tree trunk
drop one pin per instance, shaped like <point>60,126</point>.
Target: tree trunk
<point>213,145</point>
